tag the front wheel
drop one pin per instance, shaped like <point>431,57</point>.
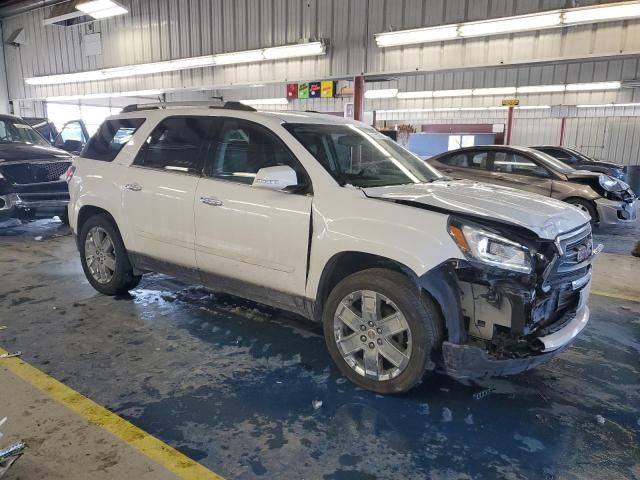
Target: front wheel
<point>104,258</point>
<point>382,331</point>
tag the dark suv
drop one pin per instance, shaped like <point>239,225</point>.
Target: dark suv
<point>580,161</point>
<point>31,173</point>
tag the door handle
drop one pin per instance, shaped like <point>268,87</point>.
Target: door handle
<point>134,187</point>
<point>448,170</point>
<point>212,201</point>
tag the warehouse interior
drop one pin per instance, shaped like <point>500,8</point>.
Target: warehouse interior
<point>176,378</point>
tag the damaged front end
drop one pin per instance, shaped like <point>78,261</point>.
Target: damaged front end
<point>515,302</point>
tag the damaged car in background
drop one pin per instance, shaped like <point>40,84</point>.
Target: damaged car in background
<point>408,271</point>
<point>607,200</point>
<point>32,173</point>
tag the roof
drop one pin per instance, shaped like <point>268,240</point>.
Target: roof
<point>493,147</point>
<point>260,116</point>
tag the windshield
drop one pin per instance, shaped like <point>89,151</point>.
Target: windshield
<point>12,131</point>
<point>361,156</point>
<point>553,163</point>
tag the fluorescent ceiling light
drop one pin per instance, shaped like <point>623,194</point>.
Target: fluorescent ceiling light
<point>574,87</point>
<point>520,23</point>
<point>265,101</point>
<point>423,94</point>
<point>602,13</point>
<point>604,105</point>
<point>382,93</point>
<point>542,89</point>
<point>89,96</point>
<point>296,50</point>
<point>495,91</point>
<point>533,107</point>
<point>453,93</point>
<point>101,8</point>
<point>580,87</point>
<point>418,35</point>
<point>248,56</point>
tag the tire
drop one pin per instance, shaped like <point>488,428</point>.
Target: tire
<point>64,218</point>
<point>586,206</point>
<point>119,277</point>
<point>395,292</point>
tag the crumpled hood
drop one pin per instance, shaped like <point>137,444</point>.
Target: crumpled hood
<point>17,152</point>
<point>544,216</point>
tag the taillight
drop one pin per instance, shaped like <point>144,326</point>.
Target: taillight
<point>68,175</point>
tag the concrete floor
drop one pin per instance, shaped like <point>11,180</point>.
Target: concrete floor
<point>231,383</point>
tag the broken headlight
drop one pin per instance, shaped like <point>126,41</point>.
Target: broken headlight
<point>487,247</point>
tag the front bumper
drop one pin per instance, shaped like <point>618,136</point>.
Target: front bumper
<point>7,206</point>
<point>614,212</point>
<point>470,361</point>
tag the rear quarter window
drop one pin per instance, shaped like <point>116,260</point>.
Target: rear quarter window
<point>110,138</point>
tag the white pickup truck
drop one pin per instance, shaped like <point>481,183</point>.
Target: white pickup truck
<point>409,271</point>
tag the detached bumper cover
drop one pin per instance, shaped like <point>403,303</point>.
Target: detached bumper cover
<point>469,361</point>
<point>614,212</point>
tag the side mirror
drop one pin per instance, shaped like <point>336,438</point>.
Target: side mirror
<point>72,146</point>
<point>275,178</point>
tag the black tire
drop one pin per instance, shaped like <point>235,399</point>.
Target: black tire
<point>64,217</point>
<point>123,278</point>
<point>586,206</point>
<point>422,315</point>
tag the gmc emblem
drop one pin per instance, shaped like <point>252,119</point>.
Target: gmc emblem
<point>584,252</point>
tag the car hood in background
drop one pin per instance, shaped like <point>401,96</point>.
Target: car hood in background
<point>17,152</point>
<point>601,163</point>
<point>544,216</point>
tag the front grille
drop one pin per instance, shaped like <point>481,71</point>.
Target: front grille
<point>573,260</point>
<point>34,172</point>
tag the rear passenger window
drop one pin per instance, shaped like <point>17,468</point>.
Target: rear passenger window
<point>468,160</point>
<point>244,148</point>
<point>175,145</point>
<point>110,138</point>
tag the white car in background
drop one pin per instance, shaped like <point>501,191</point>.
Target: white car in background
<point>407,270</point>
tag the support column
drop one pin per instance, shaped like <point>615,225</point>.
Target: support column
<point>563,125</point>
<point>507,137</point>
<point>358,98</point>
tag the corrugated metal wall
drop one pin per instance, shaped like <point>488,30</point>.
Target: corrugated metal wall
<point>157,30</point>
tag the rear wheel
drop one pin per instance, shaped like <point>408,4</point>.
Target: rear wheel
<point>586,206</point>
<point>104,258</point>
<point>381,331</point>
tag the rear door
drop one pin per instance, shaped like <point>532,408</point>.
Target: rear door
<point>251,241</point>
<point>158,195</point>
<point>512,169</point>
<point>73,137</point>
<point>469,164</point>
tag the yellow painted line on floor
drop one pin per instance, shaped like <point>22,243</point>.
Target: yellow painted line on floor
<point>151,447</point>
<point>619,296</point>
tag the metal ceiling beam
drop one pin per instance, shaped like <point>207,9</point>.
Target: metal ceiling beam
<point>11,8</point>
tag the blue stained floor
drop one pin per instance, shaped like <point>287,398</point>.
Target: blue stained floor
<point>233,384</point>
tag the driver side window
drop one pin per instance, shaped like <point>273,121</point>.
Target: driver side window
<point>508,162</point>
<point>243,148</point>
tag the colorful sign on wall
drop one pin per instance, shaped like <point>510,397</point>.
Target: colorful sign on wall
<point>303,90</point>
<point>314,90</point>
<point>328,89</point>
<point>292,91</point>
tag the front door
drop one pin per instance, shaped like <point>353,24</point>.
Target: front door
<point>251,241</point>
<point>158,195</point>
<point>514,170</point>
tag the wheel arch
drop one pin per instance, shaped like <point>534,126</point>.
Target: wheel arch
<point>346,263</point>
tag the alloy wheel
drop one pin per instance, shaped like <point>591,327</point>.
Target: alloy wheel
<point>372,335</point>
<point>100,255</point>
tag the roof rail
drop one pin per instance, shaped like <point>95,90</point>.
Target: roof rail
<point>157,106</point>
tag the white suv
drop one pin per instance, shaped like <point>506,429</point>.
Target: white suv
<point>408,271</point>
